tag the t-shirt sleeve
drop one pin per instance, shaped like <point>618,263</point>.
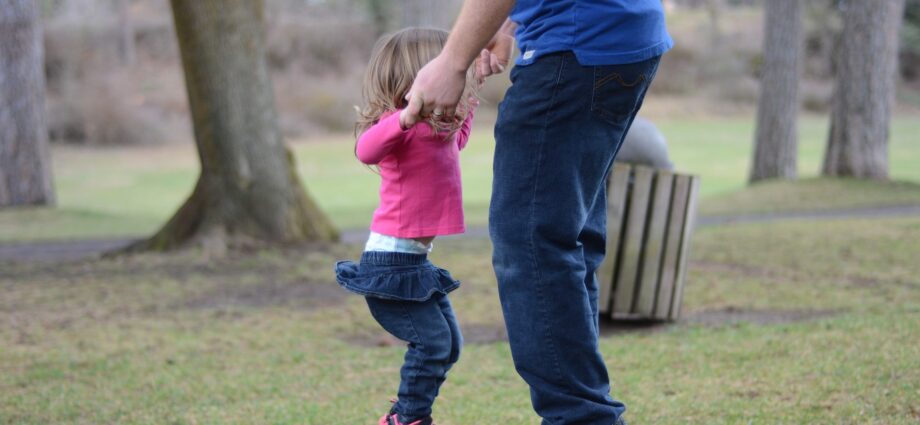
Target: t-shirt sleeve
<point>381,138</point>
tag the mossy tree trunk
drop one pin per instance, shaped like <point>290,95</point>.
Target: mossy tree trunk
<point>775,140</point>
<point>248,190</point>
<point>25,164</point>
<point>864,92</point>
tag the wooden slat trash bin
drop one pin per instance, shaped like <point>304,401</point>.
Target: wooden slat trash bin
<point>650,216</point>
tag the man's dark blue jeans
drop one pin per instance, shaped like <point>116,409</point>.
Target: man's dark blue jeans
<point>559,129</point>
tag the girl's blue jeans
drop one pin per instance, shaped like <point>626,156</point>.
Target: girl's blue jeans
<point>407,295</point>
<point>434,338</point>
<point>558,131</point>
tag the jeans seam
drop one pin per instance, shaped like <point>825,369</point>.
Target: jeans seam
<point>533,203</point>
<point>593,90</point>
<point>451,324</point>
<point>411,383</point>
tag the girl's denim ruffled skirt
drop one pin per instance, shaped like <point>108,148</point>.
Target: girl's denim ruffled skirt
<point>394,276</point>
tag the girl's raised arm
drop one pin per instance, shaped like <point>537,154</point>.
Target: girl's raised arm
<point>463,135</point>
<point>380,139</point>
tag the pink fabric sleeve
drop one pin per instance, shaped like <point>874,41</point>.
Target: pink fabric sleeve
<point>463,135</point>
<point>380,139</point>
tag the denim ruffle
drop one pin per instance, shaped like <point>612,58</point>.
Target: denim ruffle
<point>394,276</point>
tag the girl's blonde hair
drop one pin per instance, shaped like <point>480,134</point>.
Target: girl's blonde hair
<point>396,60</point>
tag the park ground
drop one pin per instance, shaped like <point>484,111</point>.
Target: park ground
<point>130,191</point>
<point>788,321</point>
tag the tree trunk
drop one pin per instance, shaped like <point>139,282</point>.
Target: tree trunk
<point>864,91</point>
<point>25,164</point>
<point>775,140</point>
<point>248,189</point>
<point>714,10</point>
<point>126,33</point>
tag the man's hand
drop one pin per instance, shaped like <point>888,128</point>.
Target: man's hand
<point>440,83</point>
<point>436,91</point>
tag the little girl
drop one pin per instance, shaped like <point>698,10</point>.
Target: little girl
<point>420,198</point>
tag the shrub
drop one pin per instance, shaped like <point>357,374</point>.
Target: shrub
<point>98,113</point>
<point>816,96</point>
<point>308,103</point>
<point>319,47</point>
<point>678,72</point>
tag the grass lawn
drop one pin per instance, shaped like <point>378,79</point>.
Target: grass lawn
<point>132,191</point>
<point>812,194</point>
<point>833,313</point>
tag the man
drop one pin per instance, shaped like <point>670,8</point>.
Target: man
<point>584,70</point>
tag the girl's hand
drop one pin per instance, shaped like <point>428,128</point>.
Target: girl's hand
<point>494,58</point>
<point>486,65</point>
<point>406,119</point>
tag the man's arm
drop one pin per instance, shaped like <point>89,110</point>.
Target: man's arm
<point>477,24</point>
<point>440,83</point>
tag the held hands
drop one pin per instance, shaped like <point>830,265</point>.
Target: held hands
<point>439,84</point>
<point>407,120</point>
<point>436,91</point>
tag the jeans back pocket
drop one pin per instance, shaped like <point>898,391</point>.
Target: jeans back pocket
<point>619,89</point>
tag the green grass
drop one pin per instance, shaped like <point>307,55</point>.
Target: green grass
<point>131,191</point>
<point>812,194</point>
<point>268,337</point>
<point>720,150</point>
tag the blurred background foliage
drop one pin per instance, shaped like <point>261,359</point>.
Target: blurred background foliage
<point>114,75</point>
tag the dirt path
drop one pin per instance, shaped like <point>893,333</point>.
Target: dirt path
<point>53,251</point>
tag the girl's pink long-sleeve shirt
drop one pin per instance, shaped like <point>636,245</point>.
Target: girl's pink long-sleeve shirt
<point>420,189</point>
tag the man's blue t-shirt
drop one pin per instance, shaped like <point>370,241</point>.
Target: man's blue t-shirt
<point>599,32</point>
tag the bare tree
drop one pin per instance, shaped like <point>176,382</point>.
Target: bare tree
<point>25,165</point>
<point>378,11</point>
<point>776,140</point>
<point>248,188</point>
<point>864,92</point>
<point>126,45</point>
<point>714,9</point>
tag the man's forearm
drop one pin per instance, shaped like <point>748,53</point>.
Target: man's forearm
<point>478,22</point>
<point>508,27</point>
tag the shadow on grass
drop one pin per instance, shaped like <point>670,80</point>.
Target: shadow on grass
<point>481,334</point>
